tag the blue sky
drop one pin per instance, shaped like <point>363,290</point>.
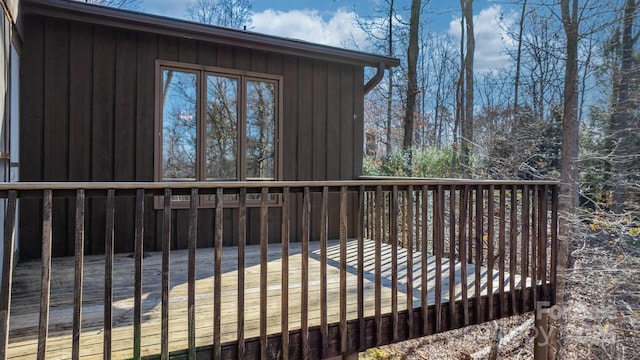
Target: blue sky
<point>331,22</point>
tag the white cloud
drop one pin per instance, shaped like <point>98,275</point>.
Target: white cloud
<point>491,37</point>
<point>308,25</point>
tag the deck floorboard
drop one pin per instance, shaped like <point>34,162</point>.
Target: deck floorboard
<point>26,296</point>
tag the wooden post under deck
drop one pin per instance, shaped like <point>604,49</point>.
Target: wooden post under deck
<point>541,341</point>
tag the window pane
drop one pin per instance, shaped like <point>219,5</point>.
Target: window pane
<point>261,129</point>
<point>179,125</point>
<point>222,128</point>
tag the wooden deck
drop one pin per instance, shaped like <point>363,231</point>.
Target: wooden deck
<point>26,296</point>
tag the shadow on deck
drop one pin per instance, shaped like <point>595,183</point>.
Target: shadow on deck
<point>26,296</point>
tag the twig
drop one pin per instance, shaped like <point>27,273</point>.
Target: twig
<point>501,341</point>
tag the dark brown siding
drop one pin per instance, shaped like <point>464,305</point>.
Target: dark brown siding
<point>87,104</point>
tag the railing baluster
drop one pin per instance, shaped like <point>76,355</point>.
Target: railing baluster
<point>284,232</point>
<point>343,269</point>
<point>438,241</point>
<point>306,233</point>
<point>138,254</point>
<point>393,237</point>
<point>524,248</point>
<point>479,248</point>
<point>77,286</point>
<point>490,248</point>
<point>409,244</point>
<point>452,255</point>
<point>513,246</point>
<point>462,249</point>
<point>424,266</point>
<point>108,274</point>
<point>554,238</point>
<point>359,230</point>
<point>191,271</point>
<point>535,199</point>
<point>217,273</point>
<point>378,270</point>
<point>45,284</point>
<point>502,231</point>
<point>7,272</point>
<point>403,219</point>
<point>542,234</point>
<point>417,216</point>
<point>166,246</point>
<point>242,241</point>
<point>324,223</point>
<point>470,223</point>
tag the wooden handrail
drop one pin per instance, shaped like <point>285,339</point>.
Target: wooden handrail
<point>314,186</point>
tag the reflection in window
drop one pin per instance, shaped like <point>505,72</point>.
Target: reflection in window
<point>260,131</point>
<point>217,125</point>
<point>179,125</point>
<point>221,128</point>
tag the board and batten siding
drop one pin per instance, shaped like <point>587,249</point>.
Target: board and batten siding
<point>87,104</point>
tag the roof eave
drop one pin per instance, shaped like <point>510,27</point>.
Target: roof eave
<point>118,18</point>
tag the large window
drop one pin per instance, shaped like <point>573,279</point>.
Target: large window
<point>216,124</point>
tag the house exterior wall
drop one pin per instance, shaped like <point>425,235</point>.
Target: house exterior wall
<point>87,113</point>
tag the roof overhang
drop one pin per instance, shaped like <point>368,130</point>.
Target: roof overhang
<point>131,20</point>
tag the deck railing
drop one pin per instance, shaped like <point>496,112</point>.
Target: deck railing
<point>489,227</point>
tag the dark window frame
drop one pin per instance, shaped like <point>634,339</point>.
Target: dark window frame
<point>241,156</point>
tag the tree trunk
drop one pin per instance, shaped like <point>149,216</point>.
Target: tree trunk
<point>467,123</point>
<point>412,83</point>
<point>623,109</point>
<point>516,119</point>
<point>390,81</point>
<point>459,117</point>
<point>569,161</point>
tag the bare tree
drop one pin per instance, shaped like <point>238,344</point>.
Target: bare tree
<point>623,108</point>
<point>390,78</point>
<point>466,88</point>
<point>518,61</point>
<point>123,4</point>
<point>228,13</point>
<point>570,171</point>
<point>412,80</point>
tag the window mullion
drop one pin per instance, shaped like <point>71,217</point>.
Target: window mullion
<point>201,127</point>
<point>242,128</point>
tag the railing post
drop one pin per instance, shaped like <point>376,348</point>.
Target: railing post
<point>138,255</point>
<point>360,216</point>
<point>166,246</point>
<point>393,239</point>
<point>108,273</point>
<point>45,282</point>
<point>424,293</point>
<point>191,271</point>
<point>242,241</point>
<point>306,233</point>
<point>284,233</point>
<point>324,224</point>
<point>378,272</point>
<point>7,272</point>
<point>217,270</point>
<point>79,266</point>
<point>409,245</point>
<point>554,243</point>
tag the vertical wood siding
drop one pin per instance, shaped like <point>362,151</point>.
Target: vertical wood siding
<point>87,104</point>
